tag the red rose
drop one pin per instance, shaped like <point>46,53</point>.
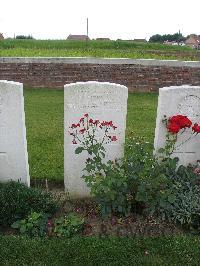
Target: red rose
<point>196,128</point>
<point>96,122</point>
<point>74,141</point>
<point>86,115</point>
<point>185,122</point>
<point>180,120</point>
<point>177,122</point>
<point>73,126</point>
<point>82,130</point>
<point>104,123</point>
<point>114,138</point>
<point>173,128</point>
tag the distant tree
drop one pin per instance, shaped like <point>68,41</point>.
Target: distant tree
<point>156,38</point>
<point>24,37</point>
<point>176,37</point>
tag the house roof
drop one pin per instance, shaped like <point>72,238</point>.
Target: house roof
<point>103,39</point>
<point>193,40</point>
<point>139,40</point>
<point>78,37</point>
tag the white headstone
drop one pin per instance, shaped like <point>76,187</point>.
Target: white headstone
<point>102,101</point>
<point>13,145</point>
<point>179,100</point>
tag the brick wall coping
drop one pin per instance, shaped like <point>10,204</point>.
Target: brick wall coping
<point>100,61</point>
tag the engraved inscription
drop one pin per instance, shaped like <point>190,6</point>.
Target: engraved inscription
<point>93,98</point>
<point>92,105</point>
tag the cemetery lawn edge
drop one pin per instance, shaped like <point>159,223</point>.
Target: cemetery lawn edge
<point>178,250</point>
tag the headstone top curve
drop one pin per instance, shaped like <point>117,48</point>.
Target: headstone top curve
<point>177,88</point>
<point>96,83</point>
<point>7,82</point>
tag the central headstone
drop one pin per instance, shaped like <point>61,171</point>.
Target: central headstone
<point>13,146</point>
<point>179,100</point>
<point>101,101</point>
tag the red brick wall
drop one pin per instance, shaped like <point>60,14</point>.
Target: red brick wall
<point>136,76</point>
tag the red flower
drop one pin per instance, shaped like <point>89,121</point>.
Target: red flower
<point>114,138</point>
<point>74,141</point>
<point>49,223</point>
<point>197,170</point>
<point>177,122</point>
<point>81,120</point>
<point>96,122</point>
<point>173,128</point>
<point>180,120</point>
<point>196,128</point>
<point>82,130</point>
<point>86,115</point>
<point>73,126</point>
<point>91,121</point>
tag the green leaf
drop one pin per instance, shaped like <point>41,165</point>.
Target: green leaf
<point>79,150</point>
<point>22,229</point>
<point>16,225</point>
<point>161,150</point>
<point>171,198</point>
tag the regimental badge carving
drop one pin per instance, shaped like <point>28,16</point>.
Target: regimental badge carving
<point>190,106</point>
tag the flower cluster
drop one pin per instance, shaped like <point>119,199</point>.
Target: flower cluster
<point>178,122</point>
<point>88,127</point>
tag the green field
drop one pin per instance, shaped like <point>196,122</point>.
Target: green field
<point>109,49</point>
<point>44,110</point>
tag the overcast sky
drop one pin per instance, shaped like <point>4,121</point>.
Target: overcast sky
<point>124,19</point>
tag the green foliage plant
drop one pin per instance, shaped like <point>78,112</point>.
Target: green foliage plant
<point>169,189</point>
<point>17,201</point>
<point>107,180</point>
<point>186,207</point>
<point>69,225</point>
<point>149,178</point>
<point>35,225</point>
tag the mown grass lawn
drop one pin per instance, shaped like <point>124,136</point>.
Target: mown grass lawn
<point>180,250</point>
<point>44,110</point>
